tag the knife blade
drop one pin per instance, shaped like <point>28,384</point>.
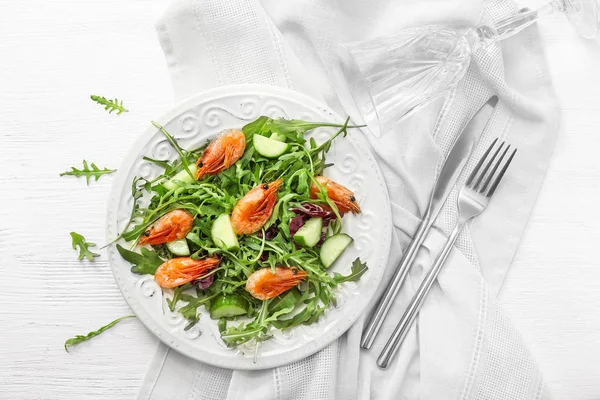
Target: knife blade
<point>453,166</point>
<point>459,155</point>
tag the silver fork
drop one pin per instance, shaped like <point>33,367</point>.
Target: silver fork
<point>472,201</point>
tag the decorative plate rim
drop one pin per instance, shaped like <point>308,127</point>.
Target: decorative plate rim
<point>240,362</point>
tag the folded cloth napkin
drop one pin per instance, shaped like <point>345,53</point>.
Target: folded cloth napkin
<point>463,345</point>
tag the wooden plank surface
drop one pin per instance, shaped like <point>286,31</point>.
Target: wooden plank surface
<point>54,54</point>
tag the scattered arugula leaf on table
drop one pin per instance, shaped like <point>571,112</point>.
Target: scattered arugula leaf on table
<point>84,251</point>
<point>110,105</point>
<point>88,173</point>
<point>82,338</point>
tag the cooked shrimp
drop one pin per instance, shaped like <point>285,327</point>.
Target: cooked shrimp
<point>342,197</point>
<point>255,208</point>
<point>222,152</point>
<point>173,225</point>
<point>181,270</point>
<point>264,284</point>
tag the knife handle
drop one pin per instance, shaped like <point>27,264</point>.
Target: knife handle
<point>407,320</point>
<point>391,291</point>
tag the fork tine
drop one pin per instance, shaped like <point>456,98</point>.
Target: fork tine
<point>477,185</point>
<point>490,176</point>
<point>501,174</point>
<point>480,163</point>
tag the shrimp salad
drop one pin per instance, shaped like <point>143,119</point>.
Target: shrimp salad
<point>246,226</point>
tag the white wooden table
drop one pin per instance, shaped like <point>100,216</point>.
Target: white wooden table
<point>54,54</point>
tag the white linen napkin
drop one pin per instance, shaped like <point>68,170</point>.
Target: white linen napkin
<point>463,345</point>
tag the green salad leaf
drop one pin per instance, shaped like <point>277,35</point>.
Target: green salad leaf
<point>110,105</point>
<point>177,292</point>
<point>145,263</point>
<point>214,195</point>
<point>358,269</point>
<point>257,329</point>
<point>292,129</point>
<point>88,171</point>
<point>78,241</point>
<point>182,153</point>
<point>82,338</point>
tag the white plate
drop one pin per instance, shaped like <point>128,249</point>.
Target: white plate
<point>192,123</point>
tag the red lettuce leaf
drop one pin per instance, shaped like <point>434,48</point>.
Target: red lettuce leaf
<point>314,210</point>
<point>296,223</point>
<point>204,283</point>
<point>269,233</point>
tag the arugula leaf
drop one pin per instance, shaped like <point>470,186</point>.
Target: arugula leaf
<point>78,240</point>
<point>289,127</point>
<point>145,263</point>
<point>190,311</point>
<point>236,335</point>
<point>182,153</point>
<point>257,329</point>
<point>95,172</point>
<point>110,105</point>
<point>255,127</point>
<point>136,194</point>
<point>82,338</point>
<point>292,129</point>
<point>222,325</point>
<point>136,231</point>
<point>170,168</point>
<point>177,295</point>
<point>358,270</point>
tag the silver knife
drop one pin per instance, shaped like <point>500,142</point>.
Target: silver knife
<point>453,166</point>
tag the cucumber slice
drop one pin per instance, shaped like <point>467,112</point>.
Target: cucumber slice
<point>269,148</point>
<point>179,247</point>
<point>310,233</point>
<point>223,234</point>
<point>181,176</point>
<point>228,305</point>
<point>333,247</point>
<point>278,136</point>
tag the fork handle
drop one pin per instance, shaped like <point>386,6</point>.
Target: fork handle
<point>391,291</point>
<point>407,320</point>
